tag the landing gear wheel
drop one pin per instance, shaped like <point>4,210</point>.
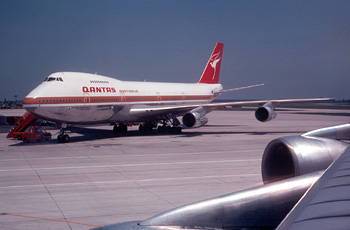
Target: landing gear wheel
<point>121,128</point>
<point>66,138</point>
<point>146,128</point>
<point>169,129</point>
<point>63,138</point>
<point>177,129</point>
<point>141,128</point>
<point>59,138</point>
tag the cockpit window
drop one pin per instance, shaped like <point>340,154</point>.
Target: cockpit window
<point>53,79</point>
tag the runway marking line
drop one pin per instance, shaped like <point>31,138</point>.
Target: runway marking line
<point>132,165</point>
<point>127,181</point>
<point>39,218</point>
<point>129,155</point>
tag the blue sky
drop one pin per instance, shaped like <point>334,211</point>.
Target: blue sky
<point>300,49</point>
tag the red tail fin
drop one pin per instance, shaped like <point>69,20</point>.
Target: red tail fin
<point>212,70</point>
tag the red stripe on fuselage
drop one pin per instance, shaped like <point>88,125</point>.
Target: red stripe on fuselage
<point>110,99</point>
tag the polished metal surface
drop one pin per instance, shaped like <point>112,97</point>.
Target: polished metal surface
<point>339,132</point>
<point>292,156</point>
<point>263,206</point>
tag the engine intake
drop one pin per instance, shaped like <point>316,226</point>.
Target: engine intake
<point>265,113</point>
<point>293,156</point>
<point>194,120</point>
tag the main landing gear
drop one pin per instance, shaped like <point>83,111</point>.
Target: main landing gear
<point>167,125</point>
<point>120,128</point>
<point>163,128</point>
<point>169,129</point>
<point>62,138</point>
<point>147,127</point>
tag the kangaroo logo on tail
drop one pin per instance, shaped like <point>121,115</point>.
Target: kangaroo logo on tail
<point>213,61</point>
<point>212,70</point>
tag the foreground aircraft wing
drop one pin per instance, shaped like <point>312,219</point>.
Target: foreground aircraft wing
<point>145,111</point>
<point>327,203</point>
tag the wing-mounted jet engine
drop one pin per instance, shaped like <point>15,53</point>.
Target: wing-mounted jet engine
<point>195,118</point>
<point>293,156</point>
<point>266,112</point>
<point>290,166</point>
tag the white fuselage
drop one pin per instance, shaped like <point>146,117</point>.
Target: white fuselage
<point>81,98</point>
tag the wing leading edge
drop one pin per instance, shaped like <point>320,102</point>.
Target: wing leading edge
<point>148,111</point>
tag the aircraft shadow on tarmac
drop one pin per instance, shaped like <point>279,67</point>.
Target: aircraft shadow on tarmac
<point>89,134</point>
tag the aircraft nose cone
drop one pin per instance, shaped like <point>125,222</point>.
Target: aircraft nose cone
<point>29,104</point>
<point>27,101</point>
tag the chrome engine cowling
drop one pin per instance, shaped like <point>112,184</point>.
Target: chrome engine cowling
<point>265,113</point>
<point>194,119</point>
<point>293,156</point>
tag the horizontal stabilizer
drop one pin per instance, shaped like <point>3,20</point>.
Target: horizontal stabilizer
<point>245,87</point>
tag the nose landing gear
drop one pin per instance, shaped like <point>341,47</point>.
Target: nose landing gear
<point>62,138</point>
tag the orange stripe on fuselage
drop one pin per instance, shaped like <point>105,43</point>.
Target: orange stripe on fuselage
<point>110,99</point>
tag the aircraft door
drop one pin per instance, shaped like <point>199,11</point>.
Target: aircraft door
<point>86,100</point>
<point>122,98</point>
<point>158,98</point>
<point>183,98</point>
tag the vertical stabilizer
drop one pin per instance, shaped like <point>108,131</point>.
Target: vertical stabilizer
<point>212,70</point>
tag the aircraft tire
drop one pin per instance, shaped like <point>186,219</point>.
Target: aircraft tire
<point>146,128</point>
<point>177,129</point>
<point>65,138</point>
<point>161,129</point>
<point>123,128</point>
<point>141,129</point>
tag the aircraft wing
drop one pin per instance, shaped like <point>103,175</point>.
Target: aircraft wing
<point>326,205</point>
<point>145,111</point>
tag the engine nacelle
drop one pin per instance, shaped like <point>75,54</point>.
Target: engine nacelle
<point>293,156</point>
<point>194,119</point>
<point>265,113</point>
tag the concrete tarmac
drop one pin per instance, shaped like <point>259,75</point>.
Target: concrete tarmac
<point>100,178</point>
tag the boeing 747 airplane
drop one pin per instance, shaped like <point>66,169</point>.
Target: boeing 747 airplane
<point>80,98</point>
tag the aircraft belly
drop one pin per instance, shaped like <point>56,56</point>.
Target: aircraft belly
<point>76,114</point>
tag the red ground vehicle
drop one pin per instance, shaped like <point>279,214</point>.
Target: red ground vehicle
<point>35,133</point>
